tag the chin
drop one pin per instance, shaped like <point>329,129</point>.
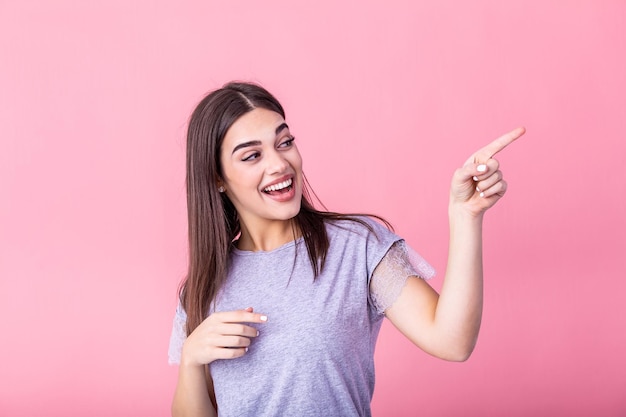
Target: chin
<point>292,212</point>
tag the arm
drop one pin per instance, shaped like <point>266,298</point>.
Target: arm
<point>447,325</point>
<point>194,395</point>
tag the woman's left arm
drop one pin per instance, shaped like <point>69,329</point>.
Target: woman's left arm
<point>446,325</point>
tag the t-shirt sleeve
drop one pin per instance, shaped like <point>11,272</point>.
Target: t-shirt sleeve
<point>390,275</point>
<point>178,336</point>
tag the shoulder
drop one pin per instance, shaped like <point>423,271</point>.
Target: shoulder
<point>360,225</point>
<point>358,243</point>
<point>181,314</point>
<point>357,223</point>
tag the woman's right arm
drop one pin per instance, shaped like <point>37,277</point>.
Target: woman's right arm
<point>194,390</point>
<point>220,336</point>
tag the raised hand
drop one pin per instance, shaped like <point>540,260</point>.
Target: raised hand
<point>222,335</point>
<point>479,183</point>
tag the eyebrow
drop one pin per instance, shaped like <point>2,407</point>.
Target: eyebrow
<point>246,144</point>
<point>279,129</point>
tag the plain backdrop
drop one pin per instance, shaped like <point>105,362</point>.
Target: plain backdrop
<point>386,100</point>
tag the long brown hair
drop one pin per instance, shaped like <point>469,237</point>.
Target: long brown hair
<point>212,219</point>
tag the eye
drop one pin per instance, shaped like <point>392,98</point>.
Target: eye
<point>252,156</point>
<point>287,143</point>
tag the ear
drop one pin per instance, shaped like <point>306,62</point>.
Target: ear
<point>220,186</point>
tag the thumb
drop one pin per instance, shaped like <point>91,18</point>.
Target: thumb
<point>471,171</point>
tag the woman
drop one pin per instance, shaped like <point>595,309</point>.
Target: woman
<point>282,303</point>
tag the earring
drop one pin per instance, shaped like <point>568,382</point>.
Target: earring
<point>221,189</point>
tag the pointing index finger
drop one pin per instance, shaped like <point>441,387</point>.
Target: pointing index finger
<point>497,145</point>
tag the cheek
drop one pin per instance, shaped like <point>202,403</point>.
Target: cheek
<point>297,160</point>
<point>243,181</point>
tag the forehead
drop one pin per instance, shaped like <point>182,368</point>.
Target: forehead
<point>257,124</point>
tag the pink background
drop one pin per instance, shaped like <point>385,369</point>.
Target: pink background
<point>386,99</point>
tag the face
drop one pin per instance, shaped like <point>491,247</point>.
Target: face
<point>261,169</point>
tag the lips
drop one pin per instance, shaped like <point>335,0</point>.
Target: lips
<point>281,190</point>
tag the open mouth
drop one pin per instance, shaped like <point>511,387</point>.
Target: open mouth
<point>280,188</point>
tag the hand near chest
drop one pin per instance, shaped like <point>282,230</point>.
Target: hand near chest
<point>222,335</point>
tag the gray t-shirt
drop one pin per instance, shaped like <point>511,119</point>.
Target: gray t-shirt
<point>315,355</point>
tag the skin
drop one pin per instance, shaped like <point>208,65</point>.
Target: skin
<point>446,325</point>
<point>258,151</point>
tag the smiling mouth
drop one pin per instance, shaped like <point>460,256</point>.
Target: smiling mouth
<point>281,187</point>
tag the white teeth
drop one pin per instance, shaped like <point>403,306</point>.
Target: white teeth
<point>279,186</point>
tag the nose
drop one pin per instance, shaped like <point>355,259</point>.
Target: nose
<point>276,163</point>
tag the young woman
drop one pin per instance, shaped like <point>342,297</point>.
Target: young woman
<point>282,303</point>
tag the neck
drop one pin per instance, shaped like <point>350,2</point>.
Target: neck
<point>268,236</point>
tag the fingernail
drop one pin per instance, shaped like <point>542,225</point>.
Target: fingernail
<point>263,318</point>
<point>246,349</point>
<point>482,194</point>
<point>481,168</point>
<point>477,189</point>
<point>257,332</point>
<point>475,178</point>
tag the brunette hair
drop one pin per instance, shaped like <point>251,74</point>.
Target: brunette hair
<point>212,219</point>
